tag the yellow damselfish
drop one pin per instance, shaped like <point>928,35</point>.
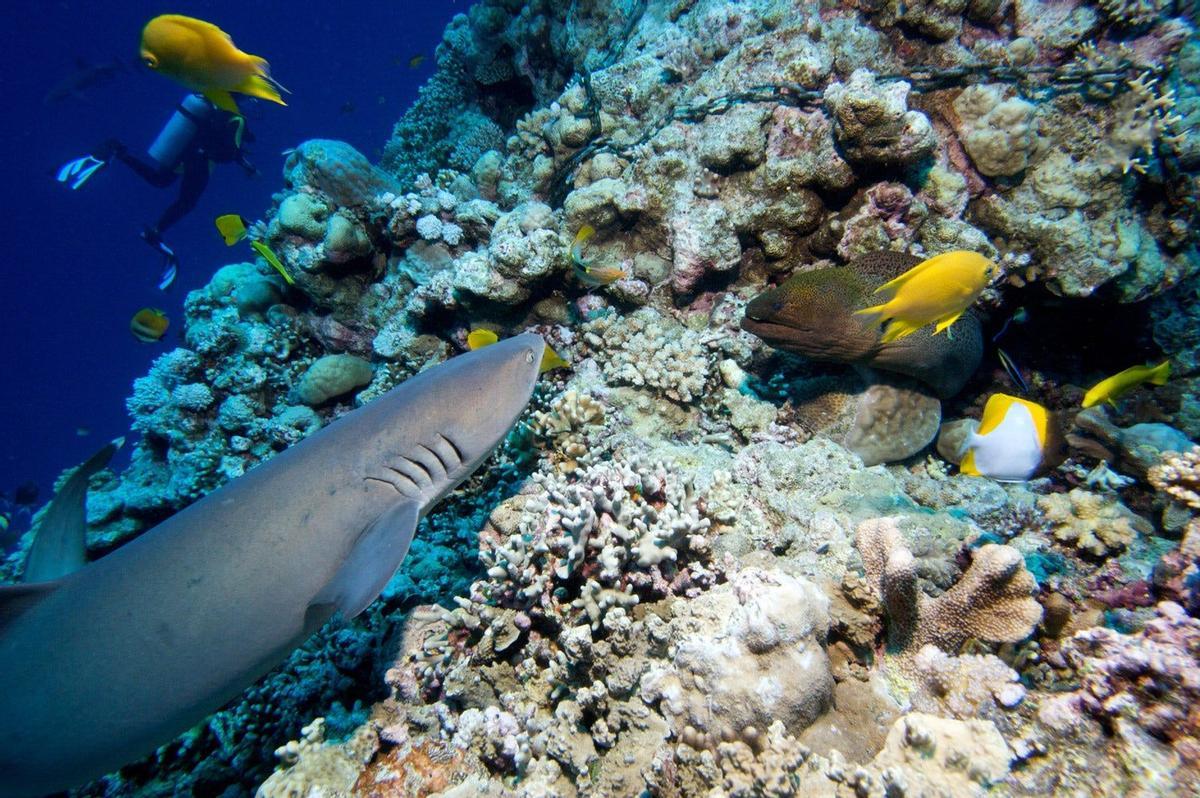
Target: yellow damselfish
<point>480,337</point>
<point>204,58</point>
<point>232,228</point>
<point>1116,386</point>
<point>1015,440</point>
<point>935,291</point>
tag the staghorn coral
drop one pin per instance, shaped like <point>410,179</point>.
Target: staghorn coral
<point>1178,476</point>
<point>1096,524</point>
<point>992,600</point>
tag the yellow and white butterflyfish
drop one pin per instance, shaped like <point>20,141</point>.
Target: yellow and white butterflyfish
<point>1015,440</point>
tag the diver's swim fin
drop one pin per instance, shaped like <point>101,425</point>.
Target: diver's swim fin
<point>79,171</point>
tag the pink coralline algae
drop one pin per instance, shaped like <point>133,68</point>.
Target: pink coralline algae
<point>1150,679</point>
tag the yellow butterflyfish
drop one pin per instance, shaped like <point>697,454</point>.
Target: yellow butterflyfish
<point>1015,440</point>
<point>1116,386</point>
<point>231,227</point>
<point>149,325</point>
<point>480,337</point>
<point>936,291</point>
<point>273,259</point>
<point>204,58</point>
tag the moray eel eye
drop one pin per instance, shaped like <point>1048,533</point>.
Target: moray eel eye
<point>150,61</point>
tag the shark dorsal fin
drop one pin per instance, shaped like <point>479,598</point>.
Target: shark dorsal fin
<point>59,541</point>
<point>17,599</point>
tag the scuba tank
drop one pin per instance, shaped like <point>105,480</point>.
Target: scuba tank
<point>180,131</point>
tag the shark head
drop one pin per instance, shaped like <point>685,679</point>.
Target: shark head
<point>462,410</point>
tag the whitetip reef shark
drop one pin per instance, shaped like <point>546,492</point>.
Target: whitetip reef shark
<point>103,665</point>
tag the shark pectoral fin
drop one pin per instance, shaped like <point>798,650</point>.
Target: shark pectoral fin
<point>16,599</point>
<point>371,562</point>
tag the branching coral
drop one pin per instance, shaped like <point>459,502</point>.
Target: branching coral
<point>568,429</point>
<point>579,546</point>
<point>992,601</point>
<point>648,350</point>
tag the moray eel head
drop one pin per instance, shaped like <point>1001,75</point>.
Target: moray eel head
<point>813,314</point>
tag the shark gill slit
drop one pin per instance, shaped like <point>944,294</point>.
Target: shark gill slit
<point>387,482</point>
<point>437,458</point>
<point>411,489</point>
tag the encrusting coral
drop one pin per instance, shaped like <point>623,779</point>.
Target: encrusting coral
<point>1178,476</point>
<point>1096,524</point>
<point>992,601</point>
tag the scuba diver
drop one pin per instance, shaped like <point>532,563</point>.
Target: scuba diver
<point>198,136</point>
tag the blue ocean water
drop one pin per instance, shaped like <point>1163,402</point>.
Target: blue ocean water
<point>76,271</point>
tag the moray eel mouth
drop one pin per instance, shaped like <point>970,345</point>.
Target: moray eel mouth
<point>770,331</point>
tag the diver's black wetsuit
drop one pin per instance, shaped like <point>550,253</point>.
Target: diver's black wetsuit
<point>197,136</point>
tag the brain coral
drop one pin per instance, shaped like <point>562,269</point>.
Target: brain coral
<point>332,376</point>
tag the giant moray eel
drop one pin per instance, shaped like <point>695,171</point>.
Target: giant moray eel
<point>812,314</point>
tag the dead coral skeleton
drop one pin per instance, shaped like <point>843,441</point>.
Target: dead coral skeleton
<point>992,601</point>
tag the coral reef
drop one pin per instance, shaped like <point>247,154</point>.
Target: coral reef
<point>654,586</point>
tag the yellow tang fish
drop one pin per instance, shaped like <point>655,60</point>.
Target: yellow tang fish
<point>480,337</point>
<point>937,290</point>
<point>232,228</point>
<point>1119,384</point>
<point>202,57</point>
<point>273,259</point>
<point>149,325</point>
<point>1015,440</point>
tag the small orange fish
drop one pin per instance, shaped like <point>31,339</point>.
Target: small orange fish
<point>588,274</point>
<point>149,325</point>
<point>416,61</point>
